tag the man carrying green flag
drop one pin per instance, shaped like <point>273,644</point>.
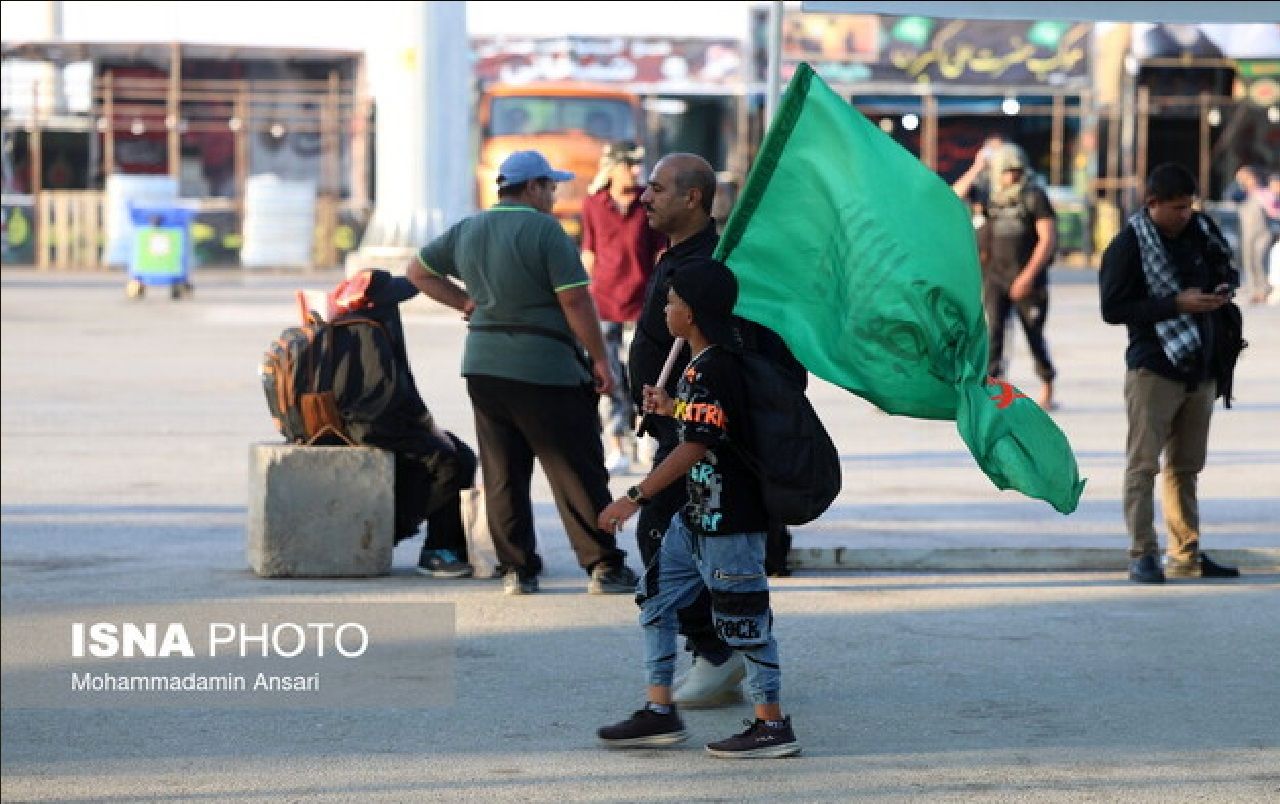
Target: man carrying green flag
<point>873,282</point>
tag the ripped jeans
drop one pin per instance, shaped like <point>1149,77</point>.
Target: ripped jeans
<point>731,567</point>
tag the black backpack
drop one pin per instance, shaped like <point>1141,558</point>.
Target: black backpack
<point>1229,343</point>
<point>329,382</point>
<point>790,451</point>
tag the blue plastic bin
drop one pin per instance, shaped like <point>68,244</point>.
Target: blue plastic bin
<point>161,252</point>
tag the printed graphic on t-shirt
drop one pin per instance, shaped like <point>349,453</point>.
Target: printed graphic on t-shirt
<point>702,420</point>
<point>705,491</point>
<point>723,495</point>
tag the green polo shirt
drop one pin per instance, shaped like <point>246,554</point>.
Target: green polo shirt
<point>513,261</point>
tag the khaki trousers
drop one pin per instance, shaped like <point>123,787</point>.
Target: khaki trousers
<point>1165,417</point>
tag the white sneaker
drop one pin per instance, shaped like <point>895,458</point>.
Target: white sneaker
<point>706,686</point>
<point>617,464</point>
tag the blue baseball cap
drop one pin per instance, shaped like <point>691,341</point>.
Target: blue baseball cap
<point>523,166</point>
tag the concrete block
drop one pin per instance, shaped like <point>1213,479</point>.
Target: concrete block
<point>319,512</point>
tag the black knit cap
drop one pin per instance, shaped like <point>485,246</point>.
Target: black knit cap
<point>711,291</point>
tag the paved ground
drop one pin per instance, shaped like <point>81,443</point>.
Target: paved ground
<point>124,441</point>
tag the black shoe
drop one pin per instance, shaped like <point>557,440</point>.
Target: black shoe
<point>758,741</point>
<point>645,729</point>
<point>1146,570</point>
<point>606,580</point>
<point>1200,567</point>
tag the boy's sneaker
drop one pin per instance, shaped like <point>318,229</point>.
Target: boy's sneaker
<point>606,580</point>
<point>645,729</point>
<point>513,583</point>
<point>758,741</point>
<point>443,564</point>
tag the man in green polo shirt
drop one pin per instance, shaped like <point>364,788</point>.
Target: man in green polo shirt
<point>524,293</point>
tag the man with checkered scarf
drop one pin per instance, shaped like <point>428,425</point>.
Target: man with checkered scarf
<point>1165,276</point>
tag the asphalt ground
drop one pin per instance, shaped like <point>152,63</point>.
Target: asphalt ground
<point>125,432</point>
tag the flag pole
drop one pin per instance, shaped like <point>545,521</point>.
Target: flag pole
<point>667,368</point>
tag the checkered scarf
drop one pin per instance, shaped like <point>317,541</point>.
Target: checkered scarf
<point>1179,336</point>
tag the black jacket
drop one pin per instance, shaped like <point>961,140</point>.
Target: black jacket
<point>652,342</point>
<point>1127,300</point>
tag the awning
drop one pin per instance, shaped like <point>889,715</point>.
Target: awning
<point>1079,11</point>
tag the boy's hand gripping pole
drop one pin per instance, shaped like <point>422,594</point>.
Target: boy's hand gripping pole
<point>667,367</point>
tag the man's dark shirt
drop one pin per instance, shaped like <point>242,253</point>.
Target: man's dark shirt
<point>1127,300</point>
<point>652,342</point>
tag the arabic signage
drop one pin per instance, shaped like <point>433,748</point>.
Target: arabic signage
<point>924,50</point>
<point>659,64</point>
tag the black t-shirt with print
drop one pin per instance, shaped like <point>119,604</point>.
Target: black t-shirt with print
<point>724,495</point>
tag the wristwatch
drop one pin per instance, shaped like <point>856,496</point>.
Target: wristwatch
<point>635,495</point>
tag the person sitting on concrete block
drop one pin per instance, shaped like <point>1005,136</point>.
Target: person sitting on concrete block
<point>432,466</point>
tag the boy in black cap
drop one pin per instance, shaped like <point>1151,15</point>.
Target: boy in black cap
<point>717,542</point>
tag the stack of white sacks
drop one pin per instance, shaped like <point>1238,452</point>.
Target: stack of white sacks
<point>279,222</point>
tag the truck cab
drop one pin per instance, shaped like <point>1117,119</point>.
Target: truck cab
<point>568,122</point>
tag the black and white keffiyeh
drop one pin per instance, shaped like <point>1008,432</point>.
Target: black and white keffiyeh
<point>1179,336</point>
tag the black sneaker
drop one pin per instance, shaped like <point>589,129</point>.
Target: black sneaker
<point>1200,567</point>
<point>645,729</point>
<point>1146,570</point>
<point>758,741</point>
<point>606,580</point>
<point>443,564</point>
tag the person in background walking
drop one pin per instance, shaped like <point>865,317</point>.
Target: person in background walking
<point>1255,232</point>
<point>1020,241</point>
<point>619,249</point>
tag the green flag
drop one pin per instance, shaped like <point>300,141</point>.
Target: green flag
<point>864,261</point>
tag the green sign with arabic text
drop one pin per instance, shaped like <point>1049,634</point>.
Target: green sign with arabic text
<point>924,50</point>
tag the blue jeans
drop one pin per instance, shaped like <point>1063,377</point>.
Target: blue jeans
<point>732,569</point>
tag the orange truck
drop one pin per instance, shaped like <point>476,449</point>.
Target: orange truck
<point>569,122</point>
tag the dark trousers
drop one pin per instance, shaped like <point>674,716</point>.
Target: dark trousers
<point>427,487</point>
<point>1032,311</point>
<point>560,426</point>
